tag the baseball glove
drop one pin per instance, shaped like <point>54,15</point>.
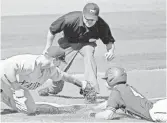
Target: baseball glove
<point>89,93</point>
<point>52,89</point>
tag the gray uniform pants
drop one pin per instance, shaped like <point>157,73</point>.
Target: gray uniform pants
<point>71,50</point>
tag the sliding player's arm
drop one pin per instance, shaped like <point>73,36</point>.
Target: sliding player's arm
<point>111,105</point>
<point>106,114</point>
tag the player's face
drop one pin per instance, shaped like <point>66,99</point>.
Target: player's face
<point>56,62</point>
<point>48,62</point>
<point>109,82</point>
<point>89,22</point>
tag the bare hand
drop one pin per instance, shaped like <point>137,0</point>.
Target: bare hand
<point>109,55</point>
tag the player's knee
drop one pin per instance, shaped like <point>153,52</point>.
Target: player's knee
<point>55,90</point>
<point>57,87</point>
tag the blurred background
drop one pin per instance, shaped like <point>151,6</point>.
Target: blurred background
<point>26,7</point>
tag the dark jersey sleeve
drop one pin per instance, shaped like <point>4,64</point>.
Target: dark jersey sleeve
<point>115,101</point>
<point>105,32</point>
<point>58,25</point>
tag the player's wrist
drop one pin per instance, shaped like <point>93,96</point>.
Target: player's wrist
<point>111,50</point>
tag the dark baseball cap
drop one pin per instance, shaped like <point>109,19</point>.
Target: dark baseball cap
<point>56,52</point>
<point>91,11</point>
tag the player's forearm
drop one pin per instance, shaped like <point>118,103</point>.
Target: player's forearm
<point>69,78</point>
<point>14,84</point>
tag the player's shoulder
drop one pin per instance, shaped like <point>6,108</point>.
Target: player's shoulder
<point>114,92</point>
<point>114,96</point>
<point>21,59</point>
<point>121,87</point>
<point>72,17</point>
<point>102,22</point>
<point>73,14</point>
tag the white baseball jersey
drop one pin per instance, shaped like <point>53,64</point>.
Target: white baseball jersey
<point>27,72</point>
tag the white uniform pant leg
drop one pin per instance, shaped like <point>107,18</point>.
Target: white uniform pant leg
<point>159,110</point>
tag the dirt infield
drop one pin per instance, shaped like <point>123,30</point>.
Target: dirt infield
<point>142,80</point>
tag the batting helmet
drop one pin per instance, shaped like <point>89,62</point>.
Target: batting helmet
<point>115,75</point>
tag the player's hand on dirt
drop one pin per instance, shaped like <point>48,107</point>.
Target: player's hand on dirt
<point>109,55</point>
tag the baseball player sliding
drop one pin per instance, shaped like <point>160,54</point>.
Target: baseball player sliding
<point>22,73</point>
<point>124,96</point>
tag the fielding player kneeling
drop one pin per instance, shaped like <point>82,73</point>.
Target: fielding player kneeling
<point>22,73</point>
<point>124,96</point>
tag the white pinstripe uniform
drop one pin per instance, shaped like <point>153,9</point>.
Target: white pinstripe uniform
<point>28,74</point>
